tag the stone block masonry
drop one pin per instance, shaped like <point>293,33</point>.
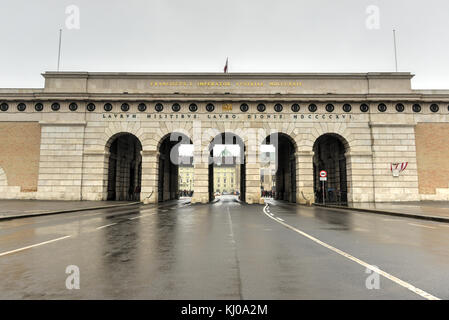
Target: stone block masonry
<point>52,146</point>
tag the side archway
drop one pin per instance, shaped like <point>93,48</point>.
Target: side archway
<point>170,159</point>
<point>330,155</point>
<point>124,177</point>
<point>278,167</point>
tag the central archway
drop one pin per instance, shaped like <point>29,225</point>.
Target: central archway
<point>227,169</point>
<point>124,167</point>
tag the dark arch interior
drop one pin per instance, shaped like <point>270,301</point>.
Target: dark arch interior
<point>239,162</point>
<point>329,155</point>
<point>284,180</point>
<point>124,168</point>
<point>169,161</point>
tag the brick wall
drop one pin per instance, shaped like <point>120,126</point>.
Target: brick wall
<point>432,153</point>
<point>19,153</point>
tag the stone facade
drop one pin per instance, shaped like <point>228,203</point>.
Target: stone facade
<point>73,143</point>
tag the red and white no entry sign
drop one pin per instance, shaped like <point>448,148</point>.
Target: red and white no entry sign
<point>323,173</point>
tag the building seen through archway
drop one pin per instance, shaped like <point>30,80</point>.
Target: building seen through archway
<point>329,155</point>
<point>227,166</point>
<point>124,168</point>
<point>278,180</point>
<point>267,170</point>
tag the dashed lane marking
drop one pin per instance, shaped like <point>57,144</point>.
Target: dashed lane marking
<point>32,246</point>
<point>105,226</point>
<point>400,282</point>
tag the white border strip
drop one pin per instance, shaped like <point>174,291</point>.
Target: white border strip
<point>402,283</point>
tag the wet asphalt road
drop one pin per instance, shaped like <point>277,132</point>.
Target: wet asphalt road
<point>223,250</point>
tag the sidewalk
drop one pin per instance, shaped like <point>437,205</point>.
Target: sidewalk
<point>428,210</point>
<point>11,209</point>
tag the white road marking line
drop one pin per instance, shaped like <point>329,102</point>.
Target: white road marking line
<point>388,220</point>
<point>164,210</point>
<point>280,219</point>
<point>421,225</point>
<point>108,225</point>
<point>402,283</point>
<point>32,246</point>
<point>143,216</point>
<point>361,230</point>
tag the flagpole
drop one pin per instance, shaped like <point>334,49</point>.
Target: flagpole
<point>395,50</point>
<point>59,50</point>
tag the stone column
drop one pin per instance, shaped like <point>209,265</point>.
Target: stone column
<point>252,167</point>
<point>150,166</point>
<point>200,178</point>
<point>304,177</point>
<point>252,176</point>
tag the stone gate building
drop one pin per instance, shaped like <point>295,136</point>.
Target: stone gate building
<point>99,136</point>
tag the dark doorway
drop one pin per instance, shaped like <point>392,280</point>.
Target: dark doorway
<point>278,167</point>
<point>171,157</point>
<point>124,168</point>
<point>329,155</point>
<point>227,167</point>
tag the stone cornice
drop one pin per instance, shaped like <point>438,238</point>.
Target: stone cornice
<point>215,75</point>
<point>42,96</point>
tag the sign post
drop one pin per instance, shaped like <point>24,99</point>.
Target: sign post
<point>323,178</point>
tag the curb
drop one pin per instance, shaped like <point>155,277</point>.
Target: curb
<point>390,213</point>
<point>47,213</point>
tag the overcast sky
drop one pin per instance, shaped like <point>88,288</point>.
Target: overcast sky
<point>198,35</point>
